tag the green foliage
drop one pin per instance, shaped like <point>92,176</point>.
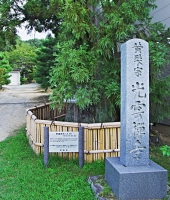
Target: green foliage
<point>35,42</point>
<point>164,161</point>
<point>9,19</point>
<point>39,15</point>
<point>88,64</point>
<point>165,150</point>
<point>23,176</point>
<point>159,81</point>
<point>89,35</point>
<point>45,61</point>
<point>5,68</point>
<point>75,82</point>
<point>106,192</point>
<point>23,57</point>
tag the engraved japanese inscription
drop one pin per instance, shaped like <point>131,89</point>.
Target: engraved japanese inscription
<point>134,103</point>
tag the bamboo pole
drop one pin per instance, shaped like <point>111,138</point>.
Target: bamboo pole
<point>107,141</point>
<point>32,134</point>
<point>43,111</point>
<point>118,140</point>
<point>90,145</point>
<point>41,126</point>
<point>28,124</point>
<point>85,141</point>
<point>59,129</point>
<point>101,142</point>
<point>75,154</point>
<point>37,138</point>
<point>113,140</point>
<point>59,116</point>
<point>74,124</point>
<point>37,107</point>
<point>101,151</point>
<point>94,141</point>
<point>70,154</point>
<point>65,155</point>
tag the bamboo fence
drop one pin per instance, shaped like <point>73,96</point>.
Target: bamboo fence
<point>100,139</point>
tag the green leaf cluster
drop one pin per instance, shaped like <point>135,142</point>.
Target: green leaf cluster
<point>88,60</point>
<point>39,15</point>
<point>23,57</point>
<point>165,150</point>
<point>89,35</point>
<point>159,59</point>
<point>5,68</point>
<point>45,61</point>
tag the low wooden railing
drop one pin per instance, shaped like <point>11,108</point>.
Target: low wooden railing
<point>100,139</point>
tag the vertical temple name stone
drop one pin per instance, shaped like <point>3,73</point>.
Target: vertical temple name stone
<point>133,175</point>
<point>135,103</point>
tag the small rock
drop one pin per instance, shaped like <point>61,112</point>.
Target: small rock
<point>97,187</point>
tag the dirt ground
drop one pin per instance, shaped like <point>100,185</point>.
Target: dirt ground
<point>160,135</point>
<point>14,100</point>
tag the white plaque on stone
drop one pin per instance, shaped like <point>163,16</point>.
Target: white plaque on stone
<point>63,141</point>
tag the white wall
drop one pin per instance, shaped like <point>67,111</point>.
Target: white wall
<point>15,78</point>
<point>162,13</point>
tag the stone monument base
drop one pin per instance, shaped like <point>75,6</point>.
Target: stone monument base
<point>137,182</point>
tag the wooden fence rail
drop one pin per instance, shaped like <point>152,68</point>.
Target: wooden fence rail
<point>100,139</point>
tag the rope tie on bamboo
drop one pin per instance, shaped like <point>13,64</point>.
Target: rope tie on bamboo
<point>32,116</point>
<point>101,125</point>
<point>29,133</point>
<point>52,123</point>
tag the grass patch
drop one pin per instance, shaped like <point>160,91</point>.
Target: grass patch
<point>23,175</point>
<point>164,161</point>
<point>157,156</point>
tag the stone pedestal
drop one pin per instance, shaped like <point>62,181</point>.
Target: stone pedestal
<point>136,182</point>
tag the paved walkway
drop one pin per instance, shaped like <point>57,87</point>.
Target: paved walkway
<point>14,100</point>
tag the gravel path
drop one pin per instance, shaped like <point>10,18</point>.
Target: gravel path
<point>14,100</point>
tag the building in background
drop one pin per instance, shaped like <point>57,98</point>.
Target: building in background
<point>15,77</point>
<point>162,12</point>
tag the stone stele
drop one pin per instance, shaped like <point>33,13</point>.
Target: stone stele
<point>133,175</point>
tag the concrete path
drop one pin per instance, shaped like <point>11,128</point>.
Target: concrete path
<point>14,100</point>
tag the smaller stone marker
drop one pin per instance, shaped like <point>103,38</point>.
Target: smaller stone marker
<point>133,175</point>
